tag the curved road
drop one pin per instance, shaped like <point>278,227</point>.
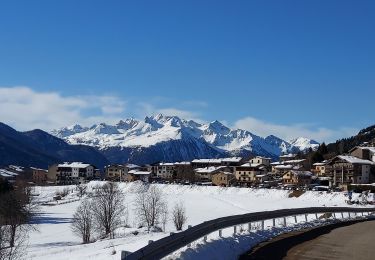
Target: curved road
<point>348,240</point>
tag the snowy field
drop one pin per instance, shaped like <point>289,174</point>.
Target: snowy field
<point>55,240</point>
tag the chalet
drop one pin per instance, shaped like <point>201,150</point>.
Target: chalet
<point>263,178</point>
<point>246,173</point>
<point>139,175</point>
<point>184,171</point>
<point>74,173</point>
<point>203,163</point>
<point>284,166</point>
<point>347,169</point>
<point>261,160</point>
<point>165,170</point>
<point>363,152</point>
<point>40,176</point>
<point>223,179</point>
<point>119,172</point>
<point>115,172</point>
<point>322,169</point>
<point>299,178</point>
<point>205,174</point>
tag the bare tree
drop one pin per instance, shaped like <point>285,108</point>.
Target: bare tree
<point>164,215</point>
<point>149,205</point>
<point>179,215</point>
<point>16,211</point>
<point>83,221</point>
<point>108,208</point>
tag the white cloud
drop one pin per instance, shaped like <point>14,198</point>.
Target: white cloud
<point>289,132</point>
<point>25,109</point>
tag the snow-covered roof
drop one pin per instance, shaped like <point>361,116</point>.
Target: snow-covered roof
<point>74,165</point>
<point>282,166</point>
<point>290,155</point>
<point>166,164</point>
<point>7,174</point>
<point>16,168</point>
<point>226,173</point>
<point>261,157</point>
<point>207,161</point>
<point>276,163</point>
<point>38,169</point>
<point>132,166</point>
<point>319,164</point>
<point>370,148</point>
<point>354,160</point>
<point>182,163</point>
<point>232,159</point>
<point>141,173</point>
<point>295,161</point>
<point>254,165</point>
<point>209,169</point>
<point>219,160</point>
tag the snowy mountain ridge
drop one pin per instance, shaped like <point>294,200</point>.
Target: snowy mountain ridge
<point>170,132</point>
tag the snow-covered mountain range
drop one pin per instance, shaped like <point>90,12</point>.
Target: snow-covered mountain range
<point>170,138</point>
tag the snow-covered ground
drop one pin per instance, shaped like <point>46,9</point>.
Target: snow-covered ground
<point>55,240</point>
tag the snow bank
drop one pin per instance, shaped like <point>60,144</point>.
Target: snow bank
<point>55,239</point>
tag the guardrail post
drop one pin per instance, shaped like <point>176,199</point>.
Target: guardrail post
<point>334,215</point>
<point>205,238</point>
<point>342,215</point>
<point>306,217</point>
<point>234,230</point>
<point>249,227</point>
<point>316,215</point>
<point>262,224</point>
<point>349,215</point>
<point>220,233</point>
<point>362,214</point>
<point>273,222</point>
<point>284,221</point>
<point>295,219</point>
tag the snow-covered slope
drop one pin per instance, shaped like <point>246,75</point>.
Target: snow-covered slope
<point>170,138</point>
<point>304,144</point>
<point>54,239</point>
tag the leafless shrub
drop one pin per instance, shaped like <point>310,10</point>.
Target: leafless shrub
<point>149,205</point>
<point>179,215</point>
<point>83,221</point>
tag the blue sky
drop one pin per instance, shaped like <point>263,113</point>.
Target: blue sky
<point>285,67</point>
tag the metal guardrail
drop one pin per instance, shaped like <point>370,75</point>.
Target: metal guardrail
<point>172,243</point>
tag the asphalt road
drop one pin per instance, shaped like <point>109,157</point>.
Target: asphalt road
<point>348,240</point>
